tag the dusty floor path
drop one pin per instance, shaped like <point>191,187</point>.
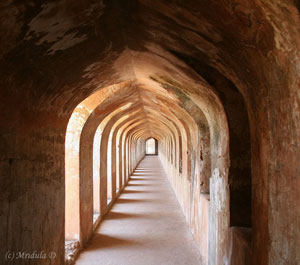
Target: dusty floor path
<point>145,226</point>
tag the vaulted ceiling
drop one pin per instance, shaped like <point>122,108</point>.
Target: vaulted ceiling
<point>171,50</point>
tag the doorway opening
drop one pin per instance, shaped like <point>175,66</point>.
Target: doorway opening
<point>151,146</point>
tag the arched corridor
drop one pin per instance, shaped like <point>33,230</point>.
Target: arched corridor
<point>136,231</point>
<point>160,130</point>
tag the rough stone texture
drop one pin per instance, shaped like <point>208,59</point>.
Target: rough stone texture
<point>240,251</point>
<point>71,251</point>
<point>209,80</point>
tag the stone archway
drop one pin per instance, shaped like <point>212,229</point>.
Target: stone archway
<point>151,146</point>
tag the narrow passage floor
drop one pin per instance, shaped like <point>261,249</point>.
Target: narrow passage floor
<point>145,226</point>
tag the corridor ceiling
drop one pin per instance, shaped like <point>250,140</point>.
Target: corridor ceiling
<point>168,52</point>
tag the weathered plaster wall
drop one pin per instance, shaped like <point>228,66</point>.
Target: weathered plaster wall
<point>197,81</point>
<point>240,247</point>
<point>32,184</point>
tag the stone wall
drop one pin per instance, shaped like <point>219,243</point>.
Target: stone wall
<point>215,82</point>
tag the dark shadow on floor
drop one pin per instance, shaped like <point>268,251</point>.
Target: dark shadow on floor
<point>117,215</point>
<point>100,241</point>
<point>137,191</point>
<point>139,185</point>
<point>121,200</point>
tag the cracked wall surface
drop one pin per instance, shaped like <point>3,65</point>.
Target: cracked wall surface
<point>215,82</point>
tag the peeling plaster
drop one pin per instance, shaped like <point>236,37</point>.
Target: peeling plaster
<point>56,26</point>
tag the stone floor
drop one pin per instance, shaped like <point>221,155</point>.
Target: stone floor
<point>145,226</point>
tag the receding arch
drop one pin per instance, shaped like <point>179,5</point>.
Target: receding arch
<point>77,228</point>
<point>151,146</point>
